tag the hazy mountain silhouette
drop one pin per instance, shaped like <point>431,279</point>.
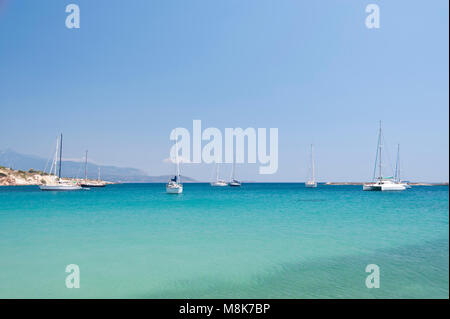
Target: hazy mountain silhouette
<point>12,159</point>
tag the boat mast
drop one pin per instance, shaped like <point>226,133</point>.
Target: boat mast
<point>176,158</point>
<point>55,159</point>
<point>98,177</point>
<point>85,167</point>
<point>60,156</point>
<point>397,165</point>
<point>312,163</point>
<point>232,171</point>
<point>379,151</point>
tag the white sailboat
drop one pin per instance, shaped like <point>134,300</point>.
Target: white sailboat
<point>381,183</point>
<point>218,182</point>
<point>233,181</point>
<point>174,185</point>
<point>59,185</point>
<point>312,182</point>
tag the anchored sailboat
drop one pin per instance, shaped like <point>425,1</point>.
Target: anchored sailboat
<point>312,182</point>
<point>86,183</point>
<point>233,181</point>
<point>218,182</point>
<point>381,183</point>
<point>59,185</point>
<point>174,185</point>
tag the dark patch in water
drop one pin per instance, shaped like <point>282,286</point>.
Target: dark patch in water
<point>420,268</point>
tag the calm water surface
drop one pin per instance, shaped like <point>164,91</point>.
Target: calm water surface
<point>259,241</point>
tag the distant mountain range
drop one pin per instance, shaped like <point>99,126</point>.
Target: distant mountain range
<point>73,169</point>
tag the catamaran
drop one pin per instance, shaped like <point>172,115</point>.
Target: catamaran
<point>381,183</point>
<point>86,183</point>
<point>59,185</point>
<point>218,182</point>
<point>233,181</point>
<point>312,182</point>
<point>174,185</point>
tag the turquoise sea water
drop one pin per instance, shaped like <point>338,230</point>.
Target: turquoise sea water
<point>259,241</point>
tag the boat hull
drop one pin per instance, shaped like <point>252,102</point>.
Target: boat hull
<point>174,190</point>
<point>311,184</point>
<point>384,187</point>
<point>59,187</point>
<point>219,184</point>
<point>92,185</point>
<point>395,187</point>
<point>371,187</point>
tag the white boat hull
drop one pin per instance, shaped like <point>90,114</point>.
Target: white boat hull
<point>60,187</point>
<point>174,189</point>
<point>219,184</point>
<point>311,184</point>
<point>394,187</point>
<point>384,186</point>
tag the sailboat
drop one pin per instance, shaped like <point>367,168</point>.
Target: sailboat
<point>174,185</point>
<point>312,182</point>
<point>233,181</point>
<point>59,185</point>
<point>86,183</point>
<point>218,182</point>
<point>381,183</point>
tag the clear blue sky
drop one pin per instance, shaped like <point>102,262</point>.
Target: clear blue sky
<point>137,69</point>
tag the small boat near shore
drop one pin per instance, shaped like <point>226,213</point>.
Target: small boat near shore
<point>89,184</point>
<point>59,185</point>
